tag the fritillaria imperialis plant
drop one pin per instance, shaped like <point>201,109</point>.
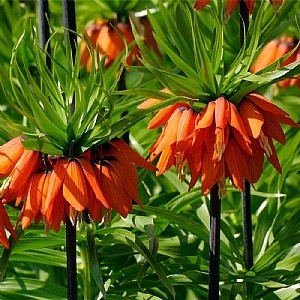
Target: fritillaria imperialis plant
<point>215,122</point>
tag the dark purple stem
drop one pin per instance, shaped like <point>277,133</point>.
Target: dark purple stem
<point>214,243</point>
<point>44,32</point>
<point>69,20</point>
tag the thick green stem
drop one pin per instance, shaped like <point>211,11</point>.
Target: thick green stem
<point>214,244</point>
<point>71,260</point>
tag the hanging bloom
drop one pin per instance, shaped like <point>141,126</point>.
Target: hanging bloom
<point>5,224</point>
<point>262,120</point>
<point>174,141</point>
<point>276,4</point>
<point>114,168</point>
<point>199,4</point>
<point>274,50</point>
<point>108,41</point>
<point>10,153</point>
<point>54,188</point>
<point>219,142</point>
<point>147,35</point>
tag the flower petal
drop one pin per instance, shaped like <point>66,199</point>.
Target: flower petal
<point>27,164</point>
<point>92,180</point>
<point>166,160</point>
<point>265,104</point>
<point>211,173</point>
<point>10,153</point>
<point>74,186</point>
<point>186,125</point>
<point>56,180</point>
<point>114,191</point>
<point>130,154</point>
<point>235,161</point>
<point>273,159</point>
<point>206,116</point>
<point>252,118</point>
<point>222,114</point>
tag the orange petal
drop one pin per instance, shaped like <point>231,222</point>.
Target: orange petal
<point>74,186</point>
<point>166,160</point>
<point>5,221</point>
<point>199,4</point>
<point>128,176</point>
<point>286,120</point>
<point>114,191</point>
<point>235,161</point>
<point>195,164</point>
<point>56,179</point>
<point>206,116</point>
<point>148,103</point>
<point>27,164</point>
<point>56,211</point>
<point>267,56</point>
<point>272,128</point>
<point>164,115</point>
<point>252,118</point>
<point>32,201</point>
<point>170,133</point>
<point>151,101</point>
<point>222,114</point>
<point>276,4</point>
<point>186,125</point>
<point>92,180</point>
<point>229,8</point>
<point>10,153</point>
<point>273,159</point>
<point>130,154</point>
<point>265,104</point>
<point>45,191</point>
<point>250,5</point>
<point>254,163</point>
<point>211,173</point>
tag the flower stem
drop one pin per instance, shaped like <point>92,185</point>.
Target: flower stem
<point>69,20</point>
<point>214,244</point>
<point>244,21</point>
<point>44,32</point>
<point>246,195</point>
<point>71,260</point>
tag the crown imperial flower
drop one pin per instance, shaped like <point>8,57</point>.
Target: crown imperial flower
<point>219,142</point>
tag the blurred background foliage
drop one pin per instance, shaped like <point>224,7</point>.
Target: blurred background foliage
<point>163,249</point>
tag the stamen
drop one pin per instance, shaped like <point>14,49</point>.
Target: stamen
<point>180,167</point>
<point>264,143</point>
<point>222,187</point>
<point>47,225</point>
<point>219,145</point>
<point>4,187</point>
<point>73,215</point>
<point>107,216</point>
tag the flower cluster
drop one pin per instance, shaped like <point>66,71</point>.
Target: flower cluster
<point>274,50</point>
<point>221,141</point>
<point>231,5</point>
<point>56,187</point>
<point>107,41</point>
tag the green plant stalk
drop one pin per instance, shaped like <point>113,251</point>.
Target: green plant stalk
<point>71,260</point>
<point>246,195</point>
<point>86,274</point>
<point>214,244</point>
